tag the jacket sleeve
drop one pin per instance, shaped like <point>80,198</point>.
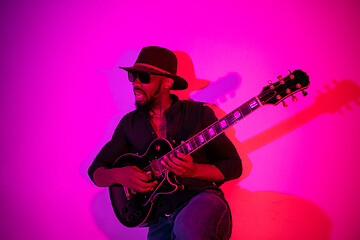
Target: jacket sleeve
<point>221,151</point>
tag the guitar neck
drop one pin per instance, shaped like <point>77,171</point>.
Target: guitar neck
<point>209,133</point>
<point>218,127</point>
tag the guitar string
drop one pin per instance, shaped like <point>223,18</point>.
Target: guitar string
<point>192,141</point>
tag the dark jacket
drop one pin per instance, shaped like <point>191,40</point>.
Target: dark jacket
<point>183,119</point>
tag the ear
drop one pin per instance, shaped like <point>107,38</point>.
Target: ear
<point>168,82</point>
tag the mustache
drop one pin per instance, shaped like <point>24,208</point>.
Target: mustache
<point>138,89</point>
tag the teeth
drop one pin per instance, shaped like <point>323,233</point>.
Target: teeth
<point>138,94</point>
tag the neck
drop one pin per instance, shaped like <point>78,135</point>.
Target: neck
<point>161,105</point>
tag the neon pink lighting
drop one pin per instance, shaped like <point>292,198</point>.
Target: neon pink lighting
<point>62,94</point>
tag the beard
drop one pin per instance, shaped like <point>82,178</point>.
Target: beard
<point>149,103</point>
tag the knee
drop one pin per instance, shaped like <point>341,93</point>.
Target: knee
<point>204,218</point>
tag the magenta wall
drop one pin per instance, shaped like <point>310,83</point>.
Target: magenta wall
<point>62,95</point>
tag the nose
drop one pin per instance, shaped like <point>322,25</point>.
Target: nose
<point>136,82</point>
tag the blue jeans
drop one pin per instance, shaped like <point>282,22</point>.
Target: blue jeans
<point>205,216</point>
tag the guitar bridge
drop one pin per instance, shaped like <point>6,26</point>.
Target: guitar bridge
<point>157,168</point>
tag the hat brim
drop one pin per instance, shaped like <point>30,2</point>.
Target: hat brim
<point>179,82</point>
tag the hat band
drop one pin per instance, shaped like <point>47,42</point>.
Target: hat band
<point>151,66</point>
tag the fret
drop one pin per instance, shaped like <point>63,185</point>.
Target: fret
<point>182,149</point>
<point>245,109</point>
<point>224,124</point>
<point>201,138</point>
<point>237,115</point>
<point>207,134</point>
<point>188,146</point>
<point>186,150</point>
<point>217,127</point>
<point>254,104</point>
<point>233,117</point>
<point>197,141</point>
<point>230,119</point>
<point>192,144</point>
<point>211,131</point>
<point>177,150</point>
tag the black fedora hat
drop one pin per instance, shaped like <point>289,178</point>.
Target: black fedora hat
<point>160,61</point>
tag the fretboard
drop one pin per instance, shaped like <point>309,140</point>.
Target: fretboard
<point>212,131</point>
<point>218,127</point>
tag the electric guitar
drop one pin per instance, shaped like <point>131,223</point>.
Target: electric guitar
<point>133,208</point>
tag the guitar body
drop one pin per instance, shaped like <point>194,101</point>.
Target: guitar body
<point>133,209</point>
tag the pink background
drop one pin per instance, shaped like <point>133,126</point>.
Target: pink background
<point>62,94</point>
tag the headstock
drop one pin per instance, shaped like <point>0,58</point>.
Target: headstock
<point>277,92</point>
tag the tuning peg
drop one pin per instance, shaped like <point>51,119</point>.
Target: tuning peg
<point>271,84</point>
<point>279,77</point>
<point>284,104</point>
<point>289,71</point>
<point>304,93</point>
<point>294,99</point>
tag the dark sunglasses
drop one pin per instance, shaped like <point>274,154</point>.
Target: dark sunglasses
<point>144,77</point>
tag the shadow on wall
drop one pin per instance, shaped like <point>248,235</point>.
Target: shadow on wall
<point>264,215</point>
<point>256,215</point>
<point>101,205</point>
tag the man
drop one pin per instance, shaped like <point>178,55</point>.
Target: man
<point>198,210</point>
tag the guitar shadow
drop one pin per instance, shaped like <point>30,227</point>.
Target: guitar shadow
<point>280,216</point>
<point>256,215</point>
<point>266,214</point>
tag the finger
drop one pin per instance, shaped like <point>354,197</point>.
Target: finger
<point>165,162</point>
<point>185,158</point>
<point>171,166</point>
<point>143,176</point>
<point>182,155</point>
<point>146,186</point>
<point>149,188</point>
<point>169,163</point>
<point>176,160</point>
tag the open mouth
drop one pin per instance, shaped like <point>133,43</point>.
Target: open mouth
<point>139,94</point>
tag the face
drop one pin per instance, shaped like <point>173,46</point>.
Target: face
<point>147,94</point>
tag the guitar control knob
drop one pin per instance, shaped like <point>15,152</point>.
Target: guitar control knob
<point>304,93</point>
<point>294,99</point>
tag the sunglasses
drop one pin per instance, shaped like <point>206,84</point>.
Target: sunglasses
<point>144,77</point>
